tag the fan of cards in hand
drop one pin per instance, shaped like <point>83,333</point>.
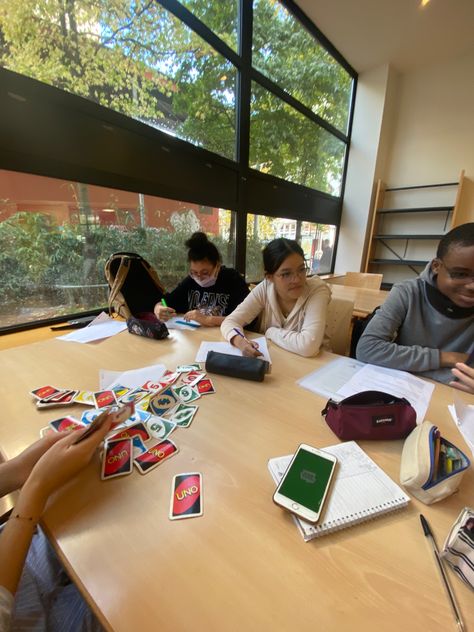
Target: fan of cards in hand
<point>143,418</point>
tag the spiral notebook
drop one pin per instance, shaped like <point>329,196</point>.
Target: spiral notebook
<point>361,491</point>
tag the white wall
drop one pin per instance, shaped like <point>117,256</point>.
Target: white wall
<point>414,128</point>
<point>371,96</point>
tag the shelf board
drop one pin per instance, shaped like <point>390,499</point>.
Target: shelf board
<point>426,209</point>
<point>399,262</point>
<point>408,236</point>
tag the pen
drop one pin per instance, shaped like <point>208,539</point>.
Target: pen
<point>163,302</point>
<point>428,533</point>
<point>185,322</point>
<point>239,333</point>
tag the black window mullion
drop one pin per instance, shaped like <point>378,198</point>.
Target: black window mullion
<point>275,89</point>
<point>201,29</point>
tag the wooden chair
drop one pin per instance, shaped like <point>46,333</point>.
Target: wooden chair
<point>338,324</point>
<point>363,279</point>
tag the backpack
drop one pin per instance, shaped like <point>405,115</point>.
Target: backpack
<point>134,285</point>
<point>358,329</point>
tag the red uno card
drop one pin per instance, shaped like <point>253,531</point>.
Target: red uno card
<point>205,387</point>
<point>137,430</point>
<point>64,424</point>
<point>192,378</point>
<point>117,458</point>
<point>155,455</point>
<point>186,496</point>
<point>104,398</point>
<point>45,392</point>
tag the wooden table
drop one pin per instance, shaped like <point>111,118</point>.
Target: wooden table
<point>243,565</point>
<point>365,299</point>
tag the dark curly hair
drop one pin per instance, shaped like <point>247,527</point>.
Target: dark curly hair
<point>200,248</point>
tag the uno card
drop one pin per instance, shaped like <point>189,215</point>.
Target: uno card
<point>45,392</point>
<point>168,377</point>
<point>88,416</point>
<point>162,402</point>
<point>186,496</point>
<point>155,455</point>
<point>186,393</point>
<point>192,377</point>
<point>64,424</point>
<point>85,397</point>
<point>138,447</point>
<point>47,430</point>
<point>118,415</point>
<point>186,368</point>
<point>205,387</point>
<point>182,415</point>
<point>139,415</point>
<point>104,398</point>
<point>150,385</point>
<point>159,427</point>
<point>119,390</point>
<point>63,398</point>
<point>144,402</point>
<point>137,430</point>
<point>117,459</point>
<point>135,395</point>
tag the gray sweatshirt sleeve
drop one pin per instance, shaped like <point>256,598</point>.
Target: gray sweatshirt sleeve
<point>377,345</point>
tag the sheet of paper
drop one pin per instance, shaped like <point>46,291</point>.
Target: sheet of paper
<point>400,383</point>
<point>96,332</point>
<point>226,347</point>
<point>103,317</point>
<point>178,322</point>
<point>132,378</point>
<point>331,377</point>
<point>463,416</point>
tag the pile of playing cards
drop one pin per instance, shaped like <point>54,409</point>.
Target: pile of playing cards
<point>145,417</point>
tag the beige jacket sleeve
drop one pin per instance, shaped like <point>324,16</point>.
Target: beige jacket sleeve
<point>307,337</point>
<point>244,313</point>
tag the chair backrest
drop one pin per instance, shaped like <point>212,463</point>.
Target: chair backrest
<point>363,279</point>
<point>338,324</point>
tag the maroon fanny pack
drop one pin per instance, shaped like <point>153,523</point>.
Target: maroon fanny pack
<point>370,415</point>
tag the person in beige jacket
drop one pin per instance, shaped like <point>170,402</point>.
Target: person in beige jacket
<point>290,307</point>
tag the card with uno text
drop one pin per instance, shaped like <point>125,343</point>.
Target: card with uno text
<point>105,398</point>
<point>45,392</point>
<point>117,459</point>
<point>155,455</point>
<point>137,430</point>
<point>63,398</point>
<point>186,496</point>
<point>205,387</point>
<point>64,424</point>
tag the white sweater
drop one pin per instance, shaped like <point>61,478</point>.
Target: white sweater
<point>301,332</point>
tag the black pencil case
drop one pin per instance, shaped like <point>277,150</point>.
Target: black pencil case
<point>155,330</point>
<point>236,366</point>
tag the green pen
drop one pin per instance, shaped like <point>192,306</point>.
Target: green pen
<point>163,302</point>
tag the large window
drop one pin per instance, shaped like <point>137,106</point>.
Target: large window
<point>55,237</point>
<point>126,125</point>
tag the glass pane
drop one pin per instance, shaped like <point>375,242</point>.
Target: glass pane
<point>285,143</point>
<point>315,239</point>
<point>220,17</point>
<point>133,57</point>
<point>55,237</point>
<point>287,53</point>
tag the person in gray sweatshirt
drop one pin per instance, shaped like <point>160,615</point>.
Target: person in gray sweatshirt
<point>426,325</point>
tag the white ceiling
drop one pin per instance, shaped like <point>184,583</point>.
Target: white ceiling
<point>369,33</point>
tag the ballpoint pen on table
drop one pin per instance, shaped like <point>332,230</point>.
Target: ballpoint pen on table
<point>428,533</point>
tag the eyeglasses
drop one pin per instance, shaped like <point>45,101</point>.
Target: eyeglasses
<point>458,275</point>
<point>296,274</point>
<point>204,274</point>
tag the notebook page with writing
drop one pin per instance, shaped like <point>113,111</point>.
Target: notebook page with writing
<point>361,490</point>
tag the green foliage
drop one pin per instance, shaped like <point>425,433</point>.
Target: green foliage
<point>37,255</point>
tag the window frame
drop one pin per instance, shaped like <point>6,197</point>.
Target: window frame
<point>47,131</point>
